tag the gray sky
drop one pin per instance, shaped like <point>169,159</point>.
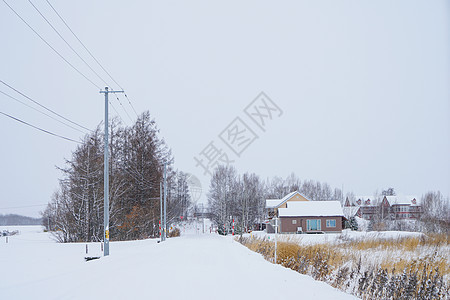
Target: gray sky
<point>363,86</point>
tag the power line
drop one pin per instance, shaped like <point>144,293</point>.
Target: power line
<point>62,57</point>
<point>126,96</point>
<point>110,103</point>
<point>67,43</point>
<point>43,130</point>
<point>48,109</point>
<point>41,112</point>
<point>90,53</point>
<point>120,102</point>
<point>65,23</point>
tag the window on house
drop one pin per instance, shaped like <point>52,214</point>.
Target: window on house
<point>313,224</point>
<point>294,221</point>
<point>331,223</point>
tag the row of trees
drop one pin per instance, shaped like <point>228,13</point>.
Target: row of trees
<point>241,198</point>
<point>137,156</point>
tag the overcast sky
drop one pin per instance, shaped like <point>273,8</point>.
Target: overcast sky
<point>362,88</point>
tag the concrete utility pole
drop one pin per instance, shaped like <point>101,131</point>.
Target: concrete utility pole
<point>161,210</point>
<point>165,201</point>
<point>106,176</point>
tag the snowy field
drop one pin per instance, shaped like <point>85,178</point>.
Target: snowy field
<point>193,266</point>
<point>347,234</point>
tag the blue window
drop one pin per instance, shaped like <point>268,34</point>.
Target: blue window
<point>331,223</point>
<point>313,225</point>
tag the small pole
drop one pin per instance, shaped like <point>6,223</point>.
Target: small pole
<point>233,227</point>
<point>276,231</point>
<point>161,210</point>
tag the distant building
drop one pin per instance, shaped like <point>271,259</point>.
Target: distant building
<point>390,207</point>
<point>297,214</point>
<point>403,207</point>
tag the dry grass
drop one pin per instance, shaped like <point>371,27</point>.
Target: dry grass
<point>403,243</point>
<point>369,268</point>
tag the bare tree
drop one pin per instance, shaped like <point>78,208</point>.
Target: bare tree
<point>435,212</point>
<point>137,156</point>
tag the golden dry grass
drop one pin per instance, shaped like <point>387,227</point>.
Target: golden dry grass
<point>421,254</point>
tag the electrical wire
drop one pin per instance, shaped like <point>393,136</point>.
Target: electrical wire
<point>43,130</point>
<point>67,43</point>
<point>65,23</point>
<point>48,109</point>
<point>90,53</point>
<point>120,102</point>
<point>126,96</point>
<point>42,112</point>
<point>109,101</point>
<point>51,47</point>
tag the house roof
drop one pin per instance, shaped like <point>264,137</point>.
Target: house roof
<point>312,209</point>
<point>274,203</point>
<point>403,200</point>
<point>350,211</point>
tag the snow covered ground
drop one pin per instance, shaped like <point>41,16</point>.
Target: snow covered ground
<point>347,234</point>
<point>194,266</point>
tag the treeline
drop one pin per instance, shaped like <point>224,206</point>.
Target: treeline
<point>241,198</point>
<point>435,213</point>
<point>12,219</point>
<point>136,167</point>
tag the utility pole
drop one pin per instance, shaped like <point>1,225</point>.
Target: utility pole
<point>165,201</point>
<point>161,210</point>
<point>106,176</point>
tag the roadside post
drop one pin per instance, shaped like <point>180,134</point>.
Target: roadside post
<point>276,232</point>
<point>274,223</point>
<point>233,228</point>
<point>160,229</point>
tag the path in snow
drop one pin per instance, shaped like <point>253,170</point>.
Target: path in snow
<point>194,266</point>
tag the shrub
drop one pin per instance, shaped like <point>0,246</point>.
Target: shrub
<point>175,232</point>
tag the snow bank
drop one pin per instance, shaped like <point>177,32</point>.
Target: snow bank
<point>194,266</point>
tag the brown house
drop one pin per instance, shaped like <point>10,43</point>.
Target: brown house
<point>297,214</point>
<point>311,217</point>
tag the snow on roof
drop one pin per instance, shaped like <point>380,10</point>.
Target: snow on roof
<point>405,200</point>
<point>364,198</point>
<point>350,211</point>
<point>373,200</point>
<point>311,209</point>
<point>273,203</point>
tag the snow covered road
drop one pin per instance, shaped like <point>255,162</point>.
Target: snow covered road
<point>195,266</point>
